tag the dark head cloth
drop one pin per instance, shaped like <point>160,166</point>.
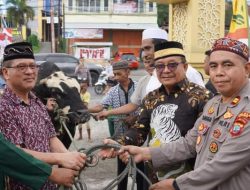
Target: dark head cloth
<point>234,46</point>
<point>120,65</point>
<point>18,50</point>
<point>169,48</point>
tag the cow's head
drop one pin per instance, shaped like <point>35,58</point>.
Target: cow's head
<point>66,91</point>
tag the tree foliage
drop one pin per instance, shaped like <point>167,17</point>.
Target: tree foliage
<point>18,12</point>
<point>162,15</point>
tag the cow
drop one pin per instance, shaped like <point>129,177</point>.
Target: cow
<point>53,83</point>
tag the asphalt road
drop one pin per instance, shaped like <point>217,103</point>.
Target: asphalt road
<point>99,176</point>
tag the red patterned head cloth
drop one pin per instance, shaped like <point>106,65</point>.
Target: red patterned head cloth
<point>234,46</point>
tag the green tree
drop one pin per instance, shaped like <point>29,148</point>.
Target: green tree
<point>162,15</point>
<point>18,12</point>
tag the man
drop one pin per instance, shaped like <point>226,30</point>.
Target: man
<point>209,84</point>
<point>118,96</point>
<point>82,72</point>
<point>23,167</point>
<point>24,120</point>
<point>220,137</point>
<point>150,37</point>
<point>170,111</point>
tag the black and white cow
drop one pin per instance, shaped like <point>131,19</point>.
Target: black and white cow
<point>52,83</point>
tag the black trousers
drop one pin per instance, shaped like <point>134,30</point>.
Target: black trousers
<point>141,183</point>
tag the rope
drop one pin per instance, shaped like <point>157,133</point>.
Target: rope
<point>93,159</point>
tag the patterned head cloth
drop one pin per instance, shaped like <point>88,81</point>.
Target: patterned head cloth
<point>120,65</point>
<point>234,46</point>
<point>167,49</point>
<point>18,50</point>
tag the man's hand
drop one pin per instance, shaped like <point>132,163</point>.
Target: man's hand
<point>108,152</point>
<point>139,153</point>
<point>63,176</point>
<point>166,184</point>
<point>102,115</point>
<point>72,160</point>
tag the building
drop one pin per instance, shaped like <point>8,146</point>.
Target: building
<point>115,25</point>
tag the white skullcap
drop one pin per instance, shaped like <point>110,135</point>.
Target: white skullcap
<point>154,33</point>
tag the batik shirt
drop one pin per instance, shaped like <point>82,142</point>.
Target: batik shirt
<point>27,125</point>
<point>165,117</point>
<point>115,98</point>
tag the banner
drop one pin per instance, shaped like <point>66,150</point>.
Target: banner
<point>239,23</point>
<point>126,7</point>
<point>5,39</point>
<point>93,53</point>
<point>84,33</point>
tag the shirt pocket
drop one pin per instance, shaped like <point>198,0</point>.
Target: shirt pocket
<point>218,136</point>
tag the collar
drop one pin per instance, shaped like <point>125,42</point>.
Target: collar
<point>9,94</point>
<point>244,93</point>
<point>130,85</point>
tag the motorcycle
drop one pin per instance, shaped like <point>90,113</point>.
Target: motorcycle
<point>101,84</point>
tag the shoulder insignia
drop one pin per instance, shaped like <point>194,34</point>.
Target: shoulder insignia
<point>235,101</point>
<point>213,147</point>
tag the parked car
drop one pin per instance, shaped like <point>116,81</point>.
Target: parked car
<point>130,57</point>
<point>67,63</point>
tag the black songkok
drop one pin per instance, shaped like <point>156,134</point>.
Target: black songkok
<point>167,49</point>
<point>18,50</point>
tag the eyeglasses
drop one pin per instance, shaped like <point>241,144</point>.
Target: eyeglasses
<point>171,66</point>
<point>23,68</point>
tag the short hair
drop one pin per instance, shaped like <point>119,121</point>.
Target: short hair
<point>6,63</point>
<point>156,41</point>
<point>208,52</point>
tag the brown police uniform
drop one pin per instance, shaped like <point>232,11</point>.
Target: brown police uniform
<point>221,140</point>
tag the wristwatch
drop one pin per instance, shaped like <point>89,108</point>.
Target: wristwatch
<point>176,187</point>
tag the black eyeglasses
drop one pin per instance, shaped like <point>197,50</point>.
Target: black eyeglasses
<point>171,66</point>
<point>24,68</point>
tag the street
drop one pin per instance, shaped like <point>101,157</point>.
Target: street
<point>99,176</point>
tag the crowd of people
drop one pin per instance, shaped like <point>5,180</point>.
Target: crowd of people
<point>183,134</point>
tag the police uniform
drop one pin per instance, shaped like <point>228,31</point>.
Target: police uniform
<point>220,138</point>
<point>23,167</point>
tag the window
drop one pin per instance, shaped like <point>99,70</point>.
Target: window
<point>70,4</point>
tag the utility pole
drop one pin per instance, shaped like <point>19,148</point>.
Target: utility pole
<point>63,21</point>
<point>52,26</point>
<point>59,24</point>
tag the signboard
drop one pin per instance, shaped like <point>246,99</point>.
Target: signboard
<point>127,7</point>
<point>84,33</point>
<point>5,39</point>
<point>93,53</point>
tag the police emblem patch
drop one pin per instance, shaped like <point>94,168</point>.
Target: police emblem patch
<point>213,147</point>
<point>216,133</point>
<point>236,129</point>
